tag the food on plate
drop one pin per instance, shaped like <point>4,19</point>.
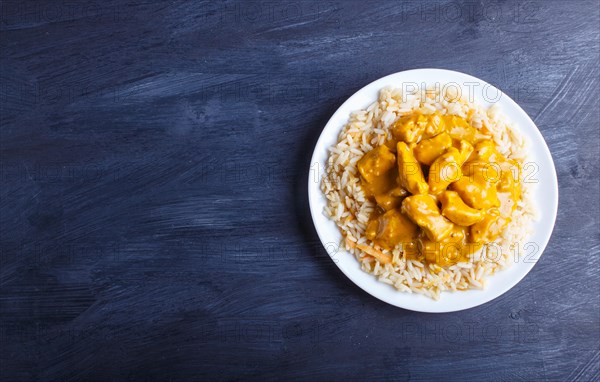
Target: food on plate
<point>422,187</point>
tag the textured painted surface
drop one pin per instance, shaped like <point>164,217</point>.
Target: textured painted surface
<point>154,219</point>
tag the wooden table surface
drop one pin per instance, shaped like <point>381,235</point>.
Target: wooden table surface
<point>154,215</point>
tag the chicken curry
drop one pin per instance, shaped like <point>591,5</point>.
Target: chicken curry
<point>441,186</point>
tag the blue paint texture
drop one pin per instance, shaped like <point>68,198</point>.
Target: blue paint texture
<point>154,217</point>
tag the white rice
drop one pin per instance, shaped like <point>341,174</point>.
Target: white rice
<point>350,209</point>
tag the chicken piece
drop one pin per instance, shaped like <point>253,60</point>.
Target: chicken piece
<point>509,189</point>
<point>371,230</point>
<point>423,210</point>
<point>375,163</point>
<point>391,144</point>
<point>381,185</point>
<point>488,229</point>
<point>457,211</point>
<point>477,187</point>
<point>409,128</point>
<point>391,199</point>
<point>409,170</point>
<point>485,151</point>
<point>412,128</point>
<point>459,129</point>
<point>465,149</point>
<point>488,167</point>
<point>506,182</point>
<point>391,229</point>
<point>509,179</point>
<point>429,149</point>
<point>451,250</point>
<point>445,170</point>
<point>454,249</point>
<point>435,125</point>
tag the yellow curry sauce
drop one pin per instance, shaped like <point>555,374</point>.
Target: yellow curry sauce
<point>441,186</point>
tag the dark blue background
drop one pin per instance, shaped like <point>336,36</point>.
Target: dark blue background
<point>154,211</point>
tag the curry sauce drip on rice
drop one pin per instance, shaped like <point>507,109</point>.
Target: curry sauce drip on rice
<point>427,191</point>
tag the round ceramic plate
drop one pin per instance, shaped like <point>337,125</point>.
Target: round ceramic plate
<point>541,172</point>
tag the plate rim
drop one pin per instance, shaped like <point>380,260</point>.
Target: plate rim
<point>312,197</point>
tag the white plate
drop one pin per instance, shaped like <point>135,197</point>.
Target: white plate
<point>545,193</point>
